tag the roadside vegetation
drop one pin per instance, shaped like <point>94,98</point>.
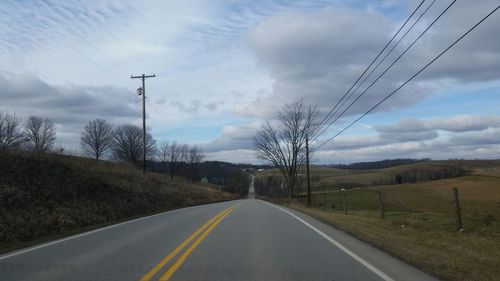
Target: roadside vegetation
<point>46,195</point>
<point>47,191</point>
<point>420,222</point>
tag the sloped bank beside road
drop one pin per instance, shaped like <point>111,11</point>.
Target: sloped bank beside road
<point>47,196</point>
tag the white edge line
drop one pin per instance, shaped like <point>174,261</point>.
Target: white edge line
<point>337,244</point>
<point>33,248</point>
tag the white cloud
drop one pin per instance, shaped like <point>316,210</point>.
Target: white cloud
<point>319,55</point>
<point>459,123</point>
<point>462,136</point>
<point>71,61</point>
<point>234,138</point>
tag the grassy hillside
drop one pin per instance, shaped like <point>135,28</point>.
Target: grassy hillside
<point>47,195</point>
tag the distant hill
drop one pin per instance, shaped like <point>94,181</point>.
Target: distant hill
<point>43,195</point>
<point>324,177</point>
<point>387,163</point>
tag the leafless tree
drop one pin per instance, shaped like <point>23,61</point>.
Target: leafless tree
<point>195,155</point>
<point>40,134</point>
<point>283,145</point>
<point>127,143</point>
<point>11,136</point>
<point>182,164</point>
<point>174,158</point>
<point>184,153</point>
<point>163,152</point>
<point>96,139</point>
<point>194,158</point>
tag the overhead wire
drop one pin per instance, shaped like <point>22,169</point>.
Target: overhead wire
<point>390,66</point>
<point>15,5</point>
<point>67,27</point>
<point>411,78</point>
<point>323,130</point>
<point>372,62</point>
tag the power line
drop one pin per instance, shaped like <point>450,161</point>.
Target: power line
<point>15,5</point>
<point>389,67</point>
<point>68,27</point>
<point>412,77</point>
<point>376,67</point>
<point>116,39</point>
<point>368,67</point>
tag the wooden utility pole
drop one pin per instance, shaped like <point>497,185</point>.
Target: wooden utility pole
<point>142,91</point>
<point>307,171</point>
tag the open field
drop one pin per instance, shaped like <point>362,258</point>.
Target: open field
<point>46,196</point>
<point>420,224</point>
<point>323,177</point>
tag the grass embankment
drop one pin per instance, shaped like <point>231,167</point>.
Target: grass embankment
<point>49,196</point>
<point>420,224</point>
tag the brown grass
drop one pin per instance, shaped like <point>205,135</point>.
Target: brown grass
<point>420,225</point>
<point>447,254</point>
<point>50,195</point>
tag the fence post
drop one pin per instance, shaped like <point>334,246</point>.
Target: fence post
<point>344,203</point>
<point>381,204</point>
<point>458,211</point>
<point>324,199</point>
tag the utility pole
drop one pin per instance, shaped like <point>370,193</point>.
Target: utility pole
<point>307,171</point>
<point>142,91</point>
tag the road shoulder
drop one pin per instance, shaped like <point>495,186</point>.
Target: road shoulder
<point>384,262</point>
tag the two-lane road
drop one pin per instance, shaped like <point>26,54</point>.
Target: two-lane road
<point>238,240</point>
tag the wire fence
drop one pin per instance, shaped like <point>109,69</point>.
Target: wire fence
<point>426,206</point>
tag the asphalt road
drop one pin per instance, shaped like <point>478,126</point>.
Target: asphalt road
<point>237,240</point>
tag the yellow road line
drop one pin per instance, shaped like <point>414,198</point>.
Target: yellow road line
<point>179,248</point>
<point>184,256</point>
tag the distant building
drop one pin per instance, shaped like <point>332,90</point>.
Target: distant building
<point>260,170</point>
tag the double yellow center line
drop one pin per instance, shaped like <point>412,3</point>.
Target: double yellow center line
<point>205,230</point>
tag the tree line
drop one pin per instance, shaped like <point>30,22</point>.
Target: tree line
<point>101,140</point>
<point>387,163</point>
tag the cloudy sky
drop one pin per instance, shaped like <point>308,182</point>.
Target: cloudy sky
<point>223,67</point>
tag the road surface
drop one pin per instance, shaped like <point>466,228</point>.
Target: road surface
<point>251,189</point>
<point>238,240</point>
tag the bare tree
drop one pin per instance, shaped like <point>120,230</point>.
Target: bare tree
<point>40,134</point>
<point>184,159</point>
<point>172,153</point>
<point>194,158</point>
<point>184,153</point>
<point>11,136</point>
<point>96,139</point>
<point>284,145</point>
<point>163,152</point>
<point>175,155</point>
<point>127,143</point>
